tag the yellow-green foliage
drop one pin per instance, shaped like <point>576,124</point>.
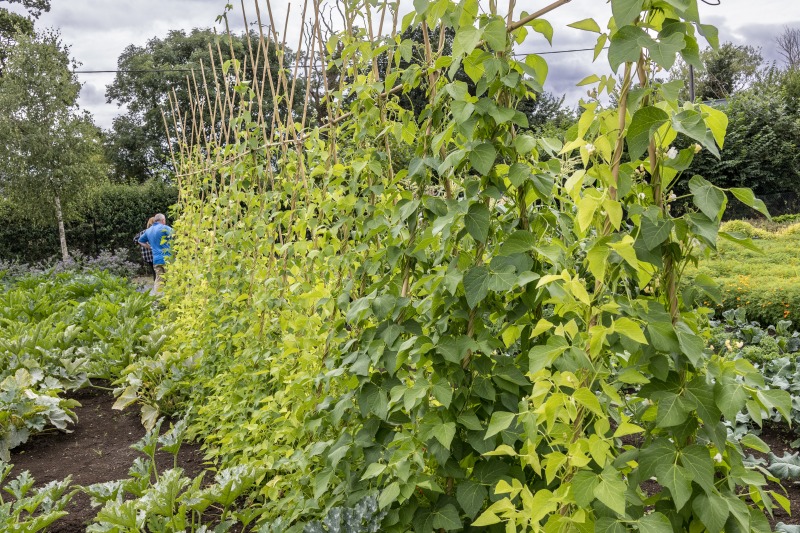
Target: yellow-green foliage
<point>766,284</point>
<point>793,229</point>
<point>745,228</point>
<point>352,328</point>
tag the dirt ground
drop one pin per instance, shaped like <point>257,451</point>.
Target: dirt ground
<point>98,450</point>
<point>779,438</point>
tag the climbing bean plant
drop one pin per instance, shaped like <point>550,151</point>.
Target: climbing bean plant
<point>491,335</point>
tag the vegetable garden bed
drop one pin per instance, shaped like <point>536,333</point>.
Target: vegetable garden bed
<point>97,451</point>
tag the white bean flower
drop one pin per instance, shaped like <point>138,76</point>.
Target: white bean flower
<point>671,197</point>
<point>697,148</point>
<point>642,196</point>
<point>672,153</point>
<point>590,148</point>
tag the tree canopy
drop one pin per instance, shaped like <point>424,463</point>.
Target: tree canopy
<point>726,70</point>
<point>162,70</point>
<point>13,24</point>
<point>53,153</point>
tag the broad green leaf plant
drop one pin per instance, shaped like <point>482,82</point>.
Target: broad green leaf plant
<point>57,331</point>
<point>491,336</point>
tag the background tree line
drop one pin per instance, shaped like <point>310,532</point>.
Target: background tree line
<point>762,102</point>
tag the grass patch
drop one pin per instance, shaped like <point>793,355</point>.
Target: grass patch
<point>766,285</point>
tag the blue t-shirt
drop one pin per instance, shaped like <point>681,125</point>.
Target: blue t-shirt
<point>158,236</point>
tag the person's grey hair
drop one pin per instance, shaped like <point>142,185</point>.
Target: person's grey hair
<point>160,218</point>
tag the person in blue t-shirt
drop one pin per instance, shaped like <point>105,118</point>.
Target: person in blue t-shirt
<point>157,238</point>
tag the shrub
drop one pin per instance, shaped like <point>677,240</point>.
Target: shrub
<point>792,229</point>
<point>787,218</point>
<point>745,228</point>
<point>108,220</point>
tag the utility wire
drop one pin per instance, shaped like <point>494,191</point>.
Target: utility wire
<point>132,71</point>
<point>559,51</point>
<point>142,71</point>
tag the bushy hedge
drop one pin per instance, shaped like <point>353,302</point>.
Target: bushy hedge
<point>762,147</point>
<point>764,284</point>
<point>108,220</point>
<point>793,217</point>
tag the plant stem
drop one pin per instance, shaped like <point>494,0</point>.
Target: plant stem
<point>545,10</point>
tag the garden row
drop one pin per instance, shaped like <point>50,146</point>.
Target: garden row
<point>431,319</point>
<point>58,333</point>
<point>62,330</point>
<point>762,277</point>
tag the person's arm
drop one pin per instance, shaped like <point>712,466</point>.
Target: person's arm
<point>142,240</point>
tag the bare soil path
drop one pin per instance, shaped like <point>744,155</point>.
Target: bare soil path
<point>98,450</point>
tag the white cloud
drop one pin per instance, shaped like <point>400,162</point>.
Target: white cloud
<point>99,30</point>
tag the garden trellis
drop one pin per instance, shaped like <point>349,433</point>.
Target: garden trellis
<point>434,318</point>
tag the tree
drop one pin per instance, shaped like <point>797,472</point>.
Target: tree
<point>53,153</point>
<point>546,113</point>
<point>34,7</point>
<point>727,70</point>
<point>13,24</point>
<point>138,146</point>
<point>789,47</point>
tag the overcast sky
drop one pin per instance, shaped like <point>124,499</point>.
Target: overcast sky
<point>99,30</point>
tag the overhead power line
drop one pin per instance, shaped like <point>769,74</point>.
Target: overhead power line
<point>143,71</point>
<point>559,51</point>
<point>132,71</point>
